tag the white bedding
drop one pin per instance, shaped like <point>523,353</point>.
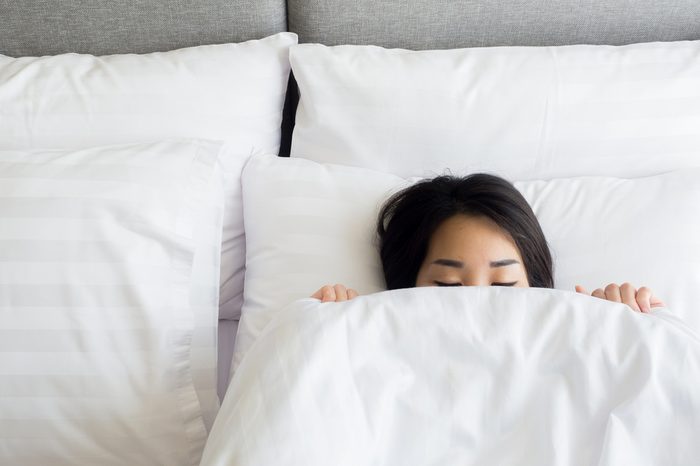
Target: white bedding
<point>227,338</point>
<point>102,346</point>
<point>477,375</point>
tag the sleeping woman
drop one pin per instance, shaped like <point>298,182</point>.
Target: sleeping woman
<point>472,231</point>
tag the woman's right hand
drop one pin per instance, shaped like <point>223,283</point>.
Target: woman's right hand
<point>334,293</point>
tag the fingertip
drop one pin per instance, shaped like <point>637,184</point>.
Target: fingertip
<point>329,295</point>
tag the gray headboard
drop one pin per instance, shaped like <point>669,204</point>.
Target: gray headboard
<point>424,24</point>
<point>45,27</point>
<point>100,27</point>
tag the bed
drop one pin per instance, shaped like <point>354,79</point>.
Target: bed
<point>577,102</point>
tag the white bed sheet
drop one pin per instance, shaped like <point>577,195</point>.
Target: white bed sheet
<point>479,375</point>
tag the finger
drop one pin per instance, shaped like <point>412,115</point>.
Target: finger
<point>580,289</point>
<point>628,294</point>
<point>644,298</point>
<point>656,302</point>
<point>598,293</point>
<point>612,293</point>
<point>352,293</point>
<point>318,294</point>
<point>341,293</point>
<point>328,294</point>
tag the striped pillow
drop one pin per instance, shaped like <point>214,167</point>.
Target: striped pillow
<point>98,260</point>
<point>523,112</point>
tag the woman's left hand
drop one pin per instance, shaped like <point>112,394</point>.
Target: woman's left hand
<point>640,300</point>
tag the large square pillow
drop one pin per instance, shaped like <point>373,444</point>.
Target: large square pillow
<point>100,251</point>
<point>523,112</point>
<point>311,224</point>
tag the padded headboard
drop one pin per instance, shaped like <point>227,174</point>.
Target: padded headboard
<point>424,24</point>
<point>100,27</point>
<point>45,27</point>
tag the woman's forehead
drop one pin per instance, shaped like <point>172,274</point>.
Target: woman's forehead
<point>471,232</point>
<point>473,241</point>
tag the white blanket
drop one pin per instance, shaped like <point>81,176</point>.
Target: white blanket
<point>477,375</point>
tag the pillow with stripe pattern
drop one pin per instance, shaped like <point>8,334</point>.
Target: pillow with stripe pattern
<point>522,112</point>
<point>99,255</point>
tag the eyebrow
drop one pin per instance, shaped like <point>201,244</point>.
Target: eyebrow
<point>504,262</point>
<point>459,264</point>
<point>449,263</point>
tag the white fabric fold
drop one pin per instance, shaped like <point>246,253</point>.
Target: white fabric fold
<point>475,375</point>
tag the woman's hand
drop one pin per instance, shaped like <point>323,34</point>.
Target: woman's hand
<point>331,293</point>
<point>640,300</point>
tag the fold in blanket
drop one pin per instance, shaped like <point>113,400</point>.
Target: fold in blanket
<point>473,375</point>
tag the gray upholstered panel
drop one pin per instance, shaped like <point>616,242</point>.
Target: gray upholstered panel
<point>423,24</point>
<point>47,27</point>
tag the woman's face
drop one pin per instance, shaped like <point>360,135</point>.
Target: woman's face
<point>471,251</point>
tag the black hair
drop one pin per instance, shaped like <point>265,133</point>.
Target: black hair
<point>409,218</point>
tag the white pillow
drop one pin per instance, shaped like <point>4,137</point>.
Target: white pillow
<point>96,257</point>
<point>523,112</point>
<point>230,92</point>
<point>311,224</point>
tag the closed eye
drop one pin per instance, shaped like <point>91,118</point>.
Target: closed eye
<point>459,284</point>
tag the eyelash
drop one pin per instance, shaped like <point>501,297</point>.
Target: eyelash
<point>459,284</point>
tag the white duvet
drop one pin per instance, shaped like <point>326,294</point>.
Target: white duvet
<point>477,375</point>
